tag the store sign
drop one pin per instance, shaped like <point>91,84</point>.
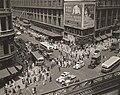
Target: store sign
<point>73,14</point>
<point>89,12</point>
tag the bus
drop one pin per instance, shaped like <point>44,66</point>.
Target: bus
<point>95,60</point>
<point>46,46</point>
<point>110,64</point>
<point>37,58</point>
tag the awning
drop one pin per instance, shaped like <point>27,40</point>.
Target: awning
<point>4,73</point>
<point>26,21</point>
<point>118,31</point>
<point>19,67</point>
<point>66,39</point>
<point>23,24</point>
<point>44,31</point>
<point>12,70</point>
<point>103,37</point>
<point>109,34</point>
<point>98,39</point>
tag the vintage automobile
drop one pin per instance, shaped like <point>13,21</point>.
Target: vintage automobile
<point>55,46</point>
<point>65,76</point>
<point>79,65</point>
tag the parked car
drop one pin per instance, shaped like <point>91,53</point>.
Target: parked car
<point>79,65</point>
<point>65,76</point>
<point>55,46</point>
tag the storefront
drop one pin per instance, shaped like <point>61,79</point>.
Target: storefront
<point>116,34</point>
<point>79,17</point>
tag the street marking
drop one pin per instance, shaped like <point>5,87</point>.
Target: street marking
<point>58,85</point>
<point>29,91</point>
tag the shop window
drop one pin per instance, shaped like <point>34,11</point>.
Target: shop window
<point>54,20</point>
<point>45,19</point>
<point>97,23</point>
<point>54,12</point>
<point>3,23</point>
<point>59,21</point>
<point>49,20</point>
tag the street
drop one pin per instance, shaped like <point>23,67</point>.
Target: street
<point>83,73</point>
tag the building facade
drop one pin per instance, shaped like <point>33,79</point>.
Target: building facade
<point>7,48</point>
<point>79,17</point>
<point>95,20</point>
<point>46,14</point>
<point>107,18</point>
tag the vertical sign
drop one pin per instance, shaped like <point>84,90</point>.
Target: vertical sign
<point>73,13</point>
<point>89,15</point>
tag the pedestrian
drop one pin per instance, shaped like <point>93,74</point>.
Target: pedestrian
<point>34,90</point>
<point>13,90</point>
<point>59,68</point>
<point>23,81</point>
<point>5,91</point>
<point>44,82</point>
<point>50,79</point>
<point>19,90</point>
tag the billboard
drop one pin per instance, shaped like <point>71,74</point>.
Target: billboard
<point>73,14</point>
<point>89,15</point>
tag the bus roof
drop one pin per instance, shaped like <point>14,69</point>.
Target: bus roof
<point>45,44</point>
<point>110,61</point>
<point>37,55</point>
<point>96,56</point>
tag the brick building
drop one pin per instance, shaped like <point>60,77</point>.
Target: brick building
<point>47,14</point>
<point>7,49</point>
<point>58,16</point>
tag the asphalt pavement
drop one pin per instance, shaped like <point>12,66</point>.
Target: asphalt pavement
<point>83,73</point>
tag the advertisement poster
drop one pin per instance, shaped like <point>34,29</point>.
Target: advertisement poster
<point>73,14</point>
<point>89,15</point>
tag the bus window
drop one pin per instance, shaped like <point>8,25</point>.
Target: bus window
<point>46,46</point>
<point>37,58</point>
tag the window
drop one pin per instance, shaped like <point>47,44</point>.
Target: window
<point>49,3</point>
<point>7,3</point>
<point>10,22</point>
<point>59,21</point>
<point>3,23</point>
<point>12,47</point>
<point>1,3</point>
<point>6,48</point>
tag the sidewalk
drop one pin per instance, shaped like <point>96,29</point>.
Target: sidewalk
<point>18,82</point>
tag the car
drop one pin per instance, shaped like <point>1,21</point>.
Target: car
<point>79,65</point>
<point>105,48</point>
<point>65,76</point>
<point>55,46</point>
<point>97,52</point>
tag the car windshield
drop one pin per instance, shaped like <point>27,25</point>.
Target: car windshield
<point>97,51</point>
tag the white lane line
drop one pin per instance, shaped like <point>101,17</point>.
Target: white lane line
<point>58,85</point>
<point>29,91</point>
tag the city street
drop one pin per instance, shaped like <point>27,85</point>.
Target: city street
<point>59,47</point>
<point>83,73</point>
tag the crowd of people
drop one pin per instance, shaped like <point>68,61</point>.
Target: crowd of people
<point>70,54</point>
<point>11,87</point>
